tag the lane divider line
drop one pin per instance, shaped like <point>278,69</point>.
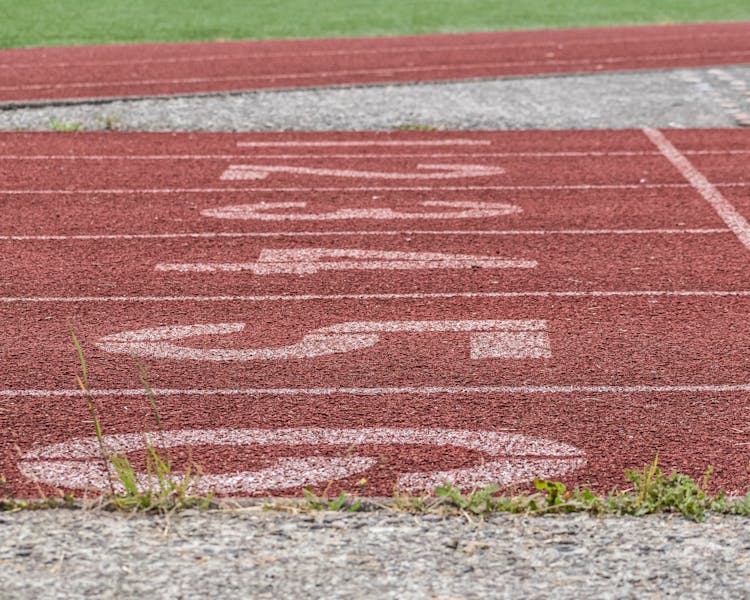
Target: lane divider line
<point>414,296</point>
<point>723,208</point>
<point>258,53</point>
<point>411,232</point>
<point>364,188</point>
<point>369,155</point>
<point>384,391</point>
<point>385,71</point>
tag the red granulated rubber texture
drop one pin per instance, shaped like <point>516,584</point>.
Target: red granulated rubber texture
<point>163,69</point>
<point>619,217</point>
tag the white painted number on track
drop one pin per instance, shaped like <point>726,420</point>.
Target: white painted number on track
<point>308,260</point>
<point>488,339</point>
<point>262,211</point>
<point>508,458</point>
<point>438,171</point>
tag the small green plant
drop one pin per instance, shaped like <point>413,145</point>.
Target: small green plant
<point>163,490</point>
<point>341,503</point>
<point>109,122</point>
<point>415,127</point>
<point>60,125</point>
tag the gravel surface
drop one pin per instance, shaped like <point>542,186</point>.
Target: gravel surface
<point>715,97</point>
<point>382,554</point>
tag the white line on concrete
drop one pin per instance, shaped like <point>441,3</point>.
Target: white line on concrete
<point>415,296</point>
<point>726,211</point>
<point>384,391</point>
<point>411,232</point>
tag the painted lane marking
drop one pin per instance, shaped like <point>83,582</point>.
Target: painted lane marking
<point>373,188</point>
<point>307,261</point>
<point>723,208</point>
<point>368,154</point>
<point>378,51</point>
<point>514,339</point>
<point>372,232</point>
<point>395,296</point>
<point>260,211</point>
<point>513,458</point>
<point>393,390</point>
<point>385,71</point>
<point>349,143</point>
<point>441,171</point>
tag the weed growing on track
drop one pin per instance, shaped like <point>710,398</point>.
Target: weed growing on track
<point>161,491</point>
<point>60,125</point>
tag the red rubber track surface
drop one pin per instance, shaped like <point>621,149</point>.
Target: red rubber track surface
<point>637,272</point>
<point>163,69</point>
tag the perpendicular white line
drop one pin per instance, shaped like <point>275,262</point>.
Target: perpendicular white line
<point>369,155</point>
<point>274,234</point>
<point>384,391</point>
<point>723,208</point>
<point>380,71</point>
<point>394,296</point>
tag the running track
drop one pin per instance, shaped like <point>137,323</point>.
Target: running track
<point>403,307</point>
<point>39,74</point>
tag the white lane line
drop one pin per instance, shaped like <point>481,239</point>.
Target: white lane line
<point>370,155</point>
<point>367,143</point>
<point>414,296</point>
<point>384,391</point>
<point>364,188</point>
<point>724,209</point>
<point>273,234</point>
<point>385,71</point>
<point>259,53</point>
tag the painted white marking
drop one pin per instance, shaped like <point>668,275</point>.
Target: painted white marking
<point>440,171</point>
<point>365,232</point>
<point>365,142</point>
<point>307,261</point>
<point>367,153</point>
<point>414,296</point>
<point>257,54</point>
<point>519,339</point>
<point>260,212</point>
<point>366,188</point>
<point>513,458</point>
<point>723,208</point>
<point>385,71</point>
<point>386,391</point>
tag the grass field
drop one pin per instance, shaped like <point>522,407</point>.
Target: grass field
<point>73,22</point>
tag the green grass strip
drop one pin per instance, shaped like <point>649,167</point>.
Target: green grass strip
<point>74,22</point>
